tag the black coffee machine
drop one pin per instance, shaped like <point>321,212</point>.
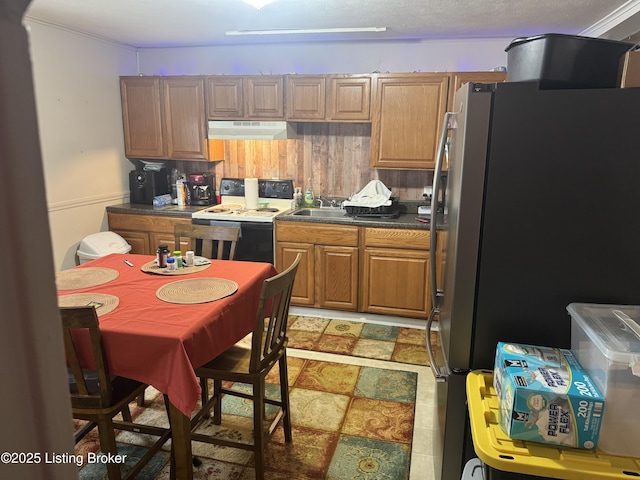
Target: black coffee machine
<point>203,189</point>
<point>144,185</point>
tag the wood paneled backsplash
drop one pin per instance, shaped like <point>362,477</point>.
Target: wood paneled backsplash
<point>334,155</point>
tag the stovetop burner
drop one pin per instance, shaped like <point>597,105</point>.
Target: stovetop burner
<point>278,193</point>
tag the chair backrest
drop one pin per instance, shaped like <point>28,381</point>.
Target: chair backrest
<point>209,236</point>
<point>270,333</point>
<point>89,388</point>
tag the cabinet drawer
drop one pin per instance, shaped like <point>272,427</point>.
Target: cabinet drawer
<point>400,238</point>
<point>144,223</point>
<point>317,234</point>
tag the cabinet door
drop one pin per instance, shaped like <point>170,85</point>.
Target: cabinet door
<point>168,239</point>
<point>303,288</point>
<point>336,277</point>
<point>139,241</point>
<point>407,119</point>
<point>395,282</point>
<point>460,78</point>
<point>264,97</point>
<point>224,97</point>
<point>305,97</point>
<point>186,123</point>
<point>349,98</point>
<point>142,117</point>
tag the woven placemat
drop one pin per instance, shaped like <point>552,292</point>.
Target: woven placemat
<point>103,302</point>
<point>76,278</point>
<point>196,290</point>
<point>152,267</point>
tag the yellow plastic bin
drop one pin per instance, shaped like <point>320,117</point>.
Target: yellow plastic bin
<point>498,451</point>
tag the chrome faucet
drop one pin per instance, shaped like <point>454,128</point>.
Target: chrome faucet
<point>324,202</point>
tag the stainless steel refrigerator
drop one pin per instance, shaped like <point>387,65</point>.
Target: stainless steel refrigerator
<point>542,209</point>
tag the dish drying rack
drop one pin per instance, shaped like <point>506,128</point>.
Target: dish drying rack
<point>383,211</point>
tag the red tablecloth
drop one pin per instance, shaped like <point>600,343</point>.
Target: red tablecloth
<point>160,343</point>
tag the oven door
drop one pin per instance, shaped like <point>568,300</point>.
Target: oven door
<point>256,239</point>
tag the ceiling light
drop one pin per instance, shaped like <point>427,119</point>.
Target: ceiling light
<point>258,4</point>
<point>284,31</point>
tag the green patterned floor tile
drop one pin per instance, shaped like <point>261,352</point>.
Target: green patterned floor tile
<point>362,458</point>
<point>393,385</point>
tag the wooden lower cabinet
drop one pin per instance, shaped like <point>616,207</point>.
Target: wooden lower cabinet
<point>328,273</point>
<point>395,272</point>
<point>145,232</point>
<point>395,282</point>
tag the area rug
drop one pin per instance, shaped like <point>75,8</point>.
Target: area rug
<point>367,340</point>
<point>349,422</point>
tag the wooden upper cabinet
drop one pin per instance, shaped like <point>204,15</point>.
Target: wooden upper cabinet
<point>142,117</point>
<point>185,118</point>
<point>348,98</point>
<point>225,99</point>
<point>264,96</point>
<point>164,117</point>
<point>329,98</point>
<point>460,78</point>
<point>231,97</point>
<point>408,111</point>
<point>306,97</point>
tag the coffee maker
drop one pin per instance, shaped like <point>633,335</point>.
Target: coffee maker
<point>202,187</point>
<point>144,185</point>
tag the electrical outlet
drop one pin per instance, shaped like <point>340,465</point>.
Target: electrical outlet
<point>427,190</point>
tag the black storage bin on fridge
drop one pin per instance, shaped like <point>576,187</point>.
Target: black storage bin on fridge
<point>565,61</point>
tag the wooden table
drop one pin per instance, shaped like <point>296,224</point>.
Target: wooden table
<point>160,343</point>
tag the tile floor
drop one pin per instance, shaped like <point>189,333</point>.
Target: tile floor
<point>421,455</point>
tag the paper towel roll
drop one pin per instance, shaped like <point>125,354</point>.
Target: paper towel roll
<point>251,193</point>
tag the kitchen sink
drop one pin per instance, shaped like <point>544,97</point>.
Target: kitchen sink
<point>321,213</point>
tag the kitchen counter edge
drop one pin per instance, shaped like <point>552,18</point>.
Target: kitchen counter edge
<point>144,209</point>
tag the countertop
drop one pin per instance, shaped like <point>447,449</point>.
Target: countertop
<point>145,209</point>
<point>406,219</point>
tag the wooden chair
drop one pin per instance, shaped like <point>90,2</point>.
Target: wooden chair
<point>97,396</point>
<point>250,364</point>
<point>209,236</point>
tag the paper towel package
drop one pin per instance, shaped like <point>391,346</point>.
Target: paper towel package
<point>545,396</point>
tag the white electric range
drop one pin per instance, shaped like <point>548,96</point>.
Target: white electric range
<point>256,225</point>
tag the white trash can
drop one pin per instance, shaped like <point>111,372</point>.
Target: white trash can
<point>101,244</point>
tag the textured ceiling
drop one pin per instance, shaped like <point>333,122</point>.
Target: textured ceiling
<point>159,23</point>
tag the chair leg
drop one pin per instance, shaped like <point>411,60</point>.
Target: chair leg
<point>126,414</point>
<point>141,399</point>
<point>204,394</point>
<point>108,445</point>
<point>258,421</point>
<point>217,407</point>
<point>284,397</point>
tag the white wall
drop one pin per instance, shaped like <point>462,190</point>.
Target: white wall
<point>336,57</point>
<point>80,122</point>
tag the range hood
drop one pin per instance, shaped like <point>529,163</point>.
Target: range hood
<point>251,130</point>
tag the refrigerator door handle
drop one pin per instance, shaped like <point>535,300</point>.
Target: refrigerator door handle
<point>440,372</point>
<point>447,125</point>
